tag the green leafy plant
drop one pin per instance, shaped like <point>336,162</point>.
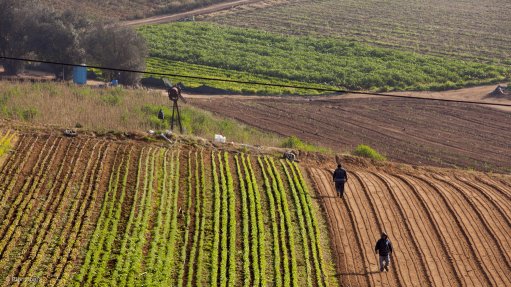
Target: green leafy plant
<point>368,152</point>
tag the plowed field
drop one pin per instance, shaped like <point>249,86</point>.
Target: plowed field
<point>93,211</point>
<point>405,130</point>
<point>448,228</point>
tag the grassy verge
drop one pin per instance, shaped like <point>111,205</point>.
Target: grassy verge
<point>120,109</point>
<point>368,152</point>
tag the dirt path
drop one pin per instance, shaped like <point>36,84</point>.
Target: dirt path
<point>178,16</point>
<point>447,229</point>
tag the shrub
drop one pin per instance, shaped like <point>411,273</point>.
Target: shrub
<point>368,152</point>
<point>296,143</point>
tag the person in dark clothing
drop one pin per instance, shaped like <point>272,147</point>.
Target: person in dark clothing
<point>384,248</point>
<point>340,177</point>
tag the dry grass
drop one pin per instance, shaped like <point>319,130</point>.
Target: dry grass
<point>115,109</point>
<point>69,105</point>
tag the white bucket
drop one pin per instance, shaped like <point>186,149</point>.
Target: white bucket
<point>219,138</point>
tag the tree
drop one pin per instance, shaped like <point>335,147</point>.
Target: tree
<point>13,38</point>
<point>117,47</point>
<point>57,37</point>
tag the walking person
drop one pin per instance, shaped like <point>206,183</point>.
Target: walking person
<point>384,248</point>
<point>340,177</point>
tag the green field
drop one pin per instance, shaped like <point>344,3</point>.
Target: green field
<point>96,212</point>
<point>470,29</point>
<point>332,62</point>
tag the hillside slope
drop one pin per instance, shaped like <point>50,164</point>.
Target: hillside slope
<point>126,9</point>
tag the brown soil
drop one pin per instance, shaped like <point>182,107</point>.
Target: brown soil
<point>405,130</point>
<point>448,227</point>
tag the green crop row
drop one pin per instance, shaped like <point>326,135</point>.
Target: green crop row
<point>171,245</point>
<point>184,257</point>
<point>158,241</point>
<point>93,259</point>
<point>224,252</point>
<point>252,54</point>
<point>312,224</point>
<point>200,255</point>
<point>40,228</point>
<point>256,253</point>
<point>69,245</point>
<point>303,230</point>
<point>199,202</point>
<point>216,223</point>
<point>275,226</point>
<point>162,65</point>
<point>25,202</point>
<point>232,225</point>
<point>118,276</point>
<point>245,225</point>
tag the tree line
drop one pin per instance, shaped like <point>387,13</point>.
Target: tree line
<point>29,29</point>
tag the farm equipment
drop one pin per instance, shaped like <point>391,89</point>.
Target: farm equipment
<point>174,93</point>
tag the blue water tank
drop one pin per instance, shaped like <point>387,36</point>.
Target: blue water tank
<point>80,75</point>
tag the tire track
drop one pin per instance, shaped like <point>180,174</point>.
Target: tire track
<point>425,231</point>
<point>461,226</point>
<point>467,217</point>
<point>373,227</point>
<point>493,192</point>
<point>400,209</point>
<point>380,207</point>
<point>446,231</point>
<point>345,240</point>
<point>492,222</point>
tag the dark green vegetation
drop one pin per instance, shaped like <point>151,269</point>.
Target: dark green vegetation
<point>31,30</point>
<point>471,29</point>
<point>330,62</point>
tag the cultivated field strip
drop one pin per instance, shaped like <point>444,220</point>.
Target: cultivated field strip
<point>447,229</point>
<point>96,212</point>
<point>419,26</point>
<point>405,130</point>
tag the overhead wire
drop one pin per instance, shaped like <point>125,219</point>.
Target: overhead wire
<point>344,91</point>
